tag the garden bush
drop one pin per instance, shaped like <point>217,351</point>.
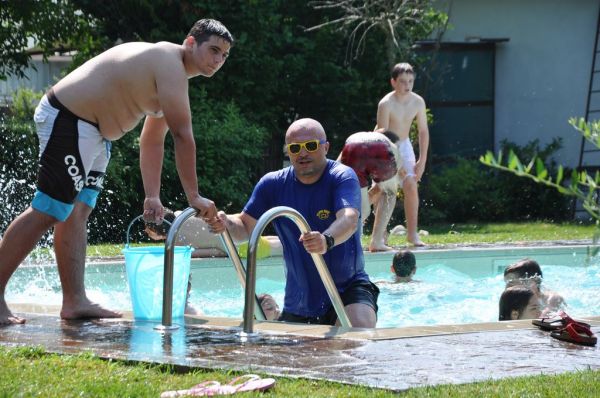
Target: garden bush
<point>18,156</point>
<point>465,190</point>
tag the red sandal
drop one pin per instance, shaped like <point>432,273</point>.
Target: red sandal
<point>576,333</point>
<point>556,322</point>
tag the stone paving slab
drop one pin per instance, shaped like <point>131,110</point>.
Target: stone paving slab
<point>395,364</point>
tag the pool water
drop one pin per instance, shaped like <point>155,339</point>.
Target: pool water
<point>454,286</point>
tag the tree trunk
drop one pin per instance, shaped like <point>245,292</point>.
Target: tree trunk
<point>390,51</point>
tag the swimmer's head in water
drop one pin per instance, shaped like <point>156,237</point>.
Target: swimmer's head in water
<point>525,270</point>
<point>404,263</point>
<point>269,306</point>
<point>518,302</point>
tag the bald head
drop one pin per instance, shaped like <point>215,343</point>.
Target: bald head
<point>310,162</point>
<point>303,127</point>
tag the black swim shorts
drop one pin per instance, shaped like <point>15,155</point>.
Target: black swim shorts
<point>73,159</point>
<point>363,292</point>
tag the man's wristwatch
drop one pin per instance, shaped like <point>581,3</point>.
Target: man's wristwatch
<point>329,240</point>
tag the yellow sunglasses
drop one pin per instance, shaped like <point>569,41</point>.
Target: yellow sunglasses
<point>295,147</point>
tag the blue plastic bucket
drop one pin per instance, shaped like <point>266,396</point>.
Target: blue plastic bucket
<point>145,274</point>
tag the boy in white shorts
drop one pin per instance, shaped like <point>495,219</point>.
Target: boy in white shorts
<point>396,112</point>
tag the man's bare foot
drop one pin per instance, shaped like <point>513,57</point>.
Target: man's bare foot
<point>415,241</point>
<point>88,310</point>
<point>379,248</point>
<point>7,317</point>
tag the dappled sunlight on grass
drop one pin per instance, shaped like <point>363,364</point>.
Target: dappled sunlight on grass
<point>501,233</point>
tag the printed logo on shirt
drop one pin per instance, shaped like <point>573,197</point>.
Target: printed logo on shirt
<point>323,214</point>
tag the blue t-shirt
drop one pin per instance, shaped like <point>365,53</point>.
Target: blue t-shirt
<point>338,188</point>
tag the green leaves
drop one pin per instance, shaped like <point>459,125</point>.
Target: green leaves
<point>541,170</point>
<point>580,185</point>
<point>52,24</point>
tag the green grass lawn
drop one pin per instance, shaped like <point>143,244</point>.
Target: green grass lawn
<point>505,233</point>
<point>29,371</point>
<point>453,234</point>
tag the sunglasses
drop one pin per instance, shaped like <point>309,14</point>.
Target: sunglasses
<point>295,147</point>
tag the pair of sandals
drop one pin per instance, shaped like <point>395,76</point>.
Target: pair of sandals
<point>211,388</point>
<point>565,328</point>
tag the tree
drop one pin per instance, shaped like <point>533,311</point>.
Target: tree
<point>402,21</point>
<point>52,25</point>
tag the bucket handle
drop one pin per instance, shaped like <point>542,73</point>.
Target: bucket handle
<point>129,228</point>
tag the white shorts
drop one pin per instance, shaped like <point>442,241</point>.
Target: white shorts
<point>407,160</point>
<point>406,164</point>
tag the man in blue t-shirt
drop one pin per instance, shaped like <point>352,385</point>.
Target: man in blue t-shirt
<point>327,194</point>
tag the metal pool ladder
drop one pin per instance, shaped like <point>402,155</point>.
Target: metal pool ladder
<point>248,279</point>
<point>300,221</point>
<point>167,314</point>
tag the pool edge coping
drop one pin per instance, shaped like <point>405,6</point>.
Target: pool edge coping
<point>319,331</point>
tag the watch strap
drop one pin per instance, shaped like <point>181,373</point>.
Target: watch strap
<point>329,241</point>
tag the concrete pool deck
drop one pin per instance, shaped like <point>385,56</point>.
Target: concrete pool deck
<point>395,359</point>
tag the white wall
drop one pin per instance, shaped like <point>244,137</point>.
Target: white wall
<point>543,72</point>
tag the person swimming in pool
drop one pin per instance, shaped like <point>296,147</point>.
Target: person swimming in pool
<point>269,306</point>
<point>404,267</point>
<point>528,272</point>
<point>519,302</point>
<point>76,122</point>
<point>195,232</point>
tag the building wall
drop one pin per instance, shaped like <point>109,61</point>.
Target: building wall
<point>543,72</point>
<point>41,78</point>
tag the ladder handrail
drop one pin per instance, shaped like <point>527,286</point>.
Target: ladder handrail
<point>300,221</point>
<point>240,270</point>
<point>167,315</point>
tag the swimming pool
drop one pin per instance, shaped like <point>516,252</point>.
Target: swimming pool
<point>456,286</point>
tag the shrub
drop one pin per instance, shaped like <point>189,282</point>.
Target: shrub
<point>463,190</point>
<point>456,192</point>
<point>578,186</point>
<point>18,156</point>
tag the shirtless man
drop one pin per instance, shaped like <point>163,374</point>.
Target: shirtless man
<point>396,112</point>
<point>76,121</point>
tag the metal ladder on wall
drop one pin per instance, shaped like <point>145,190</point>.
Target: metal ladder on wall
<point>167,315</point>
<point>261,224</point>
<point>589,155</point>
<point>252,309</point>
